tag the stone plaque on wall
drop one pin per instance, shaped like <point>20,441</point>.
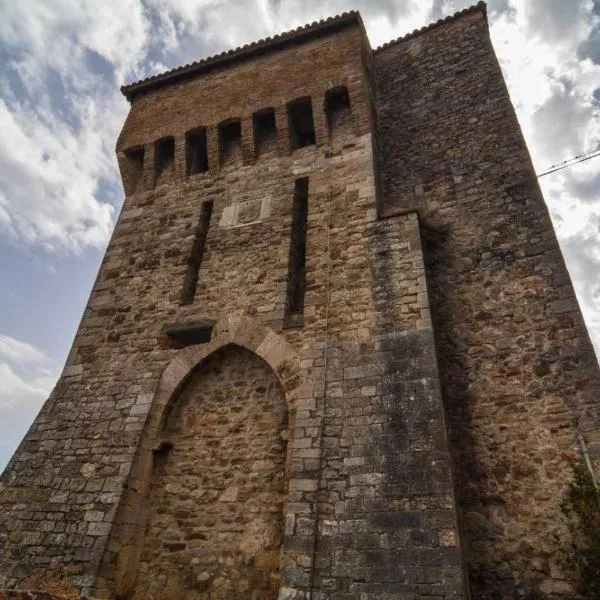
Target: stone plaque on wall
<point>246,212</point>
<point>249,211</point>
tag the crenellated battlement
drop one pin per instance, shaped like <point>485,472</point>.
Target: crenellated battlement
<point>244,140</point>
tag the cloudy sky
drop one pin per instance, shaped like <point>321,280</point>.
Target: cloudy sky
<point>61,65</point>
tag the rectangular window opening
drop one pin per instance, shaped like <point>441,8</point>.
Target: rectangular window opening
<point>294,306</point>
<point>301,124</point>
<point>230,141</point>
<point>190,281</point>
<point>134,169</point>
<point>337,109</point>
<point>265,131</point>
<point>196,152</point>
<point>165,156</point>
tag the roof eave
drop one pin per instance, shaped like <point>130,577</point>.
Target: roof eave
<point>296,36</point>
<point>479,7</point>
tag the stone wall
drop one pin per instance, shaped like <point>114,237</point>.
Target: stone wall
<point>519,374</point>
<point>76,492</point>
<point>218,489</point>
<point>453,263</point>
<point>62,490</point>
<point>387,516</point>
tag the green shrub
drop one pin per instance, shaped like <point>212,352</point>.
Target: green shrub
<point>581,506</point>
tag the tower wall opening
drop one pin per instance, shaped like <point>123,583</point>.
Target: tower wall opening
<point>219,485</point>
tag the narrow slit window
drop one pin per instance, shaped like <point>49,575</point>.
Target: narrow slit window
<point>337,109</point>
<point>196,152</point>
<point>190,281</point>
<point>301,124</point>
<point>297,258</point>
<point>133,169</point>
<point>265,131</point>
<point>165,156</point>
<point>230,141</point>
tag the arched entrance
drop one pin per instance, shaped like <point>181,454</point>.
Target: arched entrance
<point>233,337</point>
<point>215,522</point>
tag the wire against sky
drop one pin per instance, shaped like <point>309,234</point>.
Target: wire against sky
<point>572,161</point>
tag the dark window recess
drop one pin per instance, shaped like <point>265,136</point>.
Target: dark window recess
<point>265,131</point>
<point>190,282</point>
<point>230,141</point>
<point>196,152</point>
<point>337,109</point>
<point>193,332</point>
<point>294,306</point>
<point>165,155</point>
<point>134,169</point>
<point>300,123</point>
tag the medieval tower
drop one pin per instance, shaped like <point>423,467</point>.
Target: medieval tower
<point>333,351</point>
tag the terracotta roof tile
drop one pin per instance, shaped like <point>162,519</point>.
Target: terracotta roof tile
<point>480,6</point>
<point>315,29</point>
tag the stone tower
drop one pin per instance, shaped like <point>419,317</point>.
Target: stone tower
<point>332,352</point>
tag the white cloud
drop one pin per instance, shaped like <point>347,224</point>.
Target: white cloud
<point>17,352</point>
<point>48,196</point>
<point>557,21</point>
<point>17,395</point>
<point>61,111</point>
<point>60,114</point>
<point>27,376</point>
<point>582,252</point>
<point>57,34</point>
<point>552,88</point>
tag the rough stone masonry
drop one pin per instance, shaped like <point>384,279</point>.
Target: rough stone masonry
<point>333,351</point>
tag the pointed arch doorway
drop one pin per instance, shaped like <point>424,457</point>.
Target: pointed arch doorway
<point>218,487</point>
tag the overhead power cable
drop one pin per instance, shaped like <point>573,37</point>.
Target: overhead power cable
<point>572,161</point>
